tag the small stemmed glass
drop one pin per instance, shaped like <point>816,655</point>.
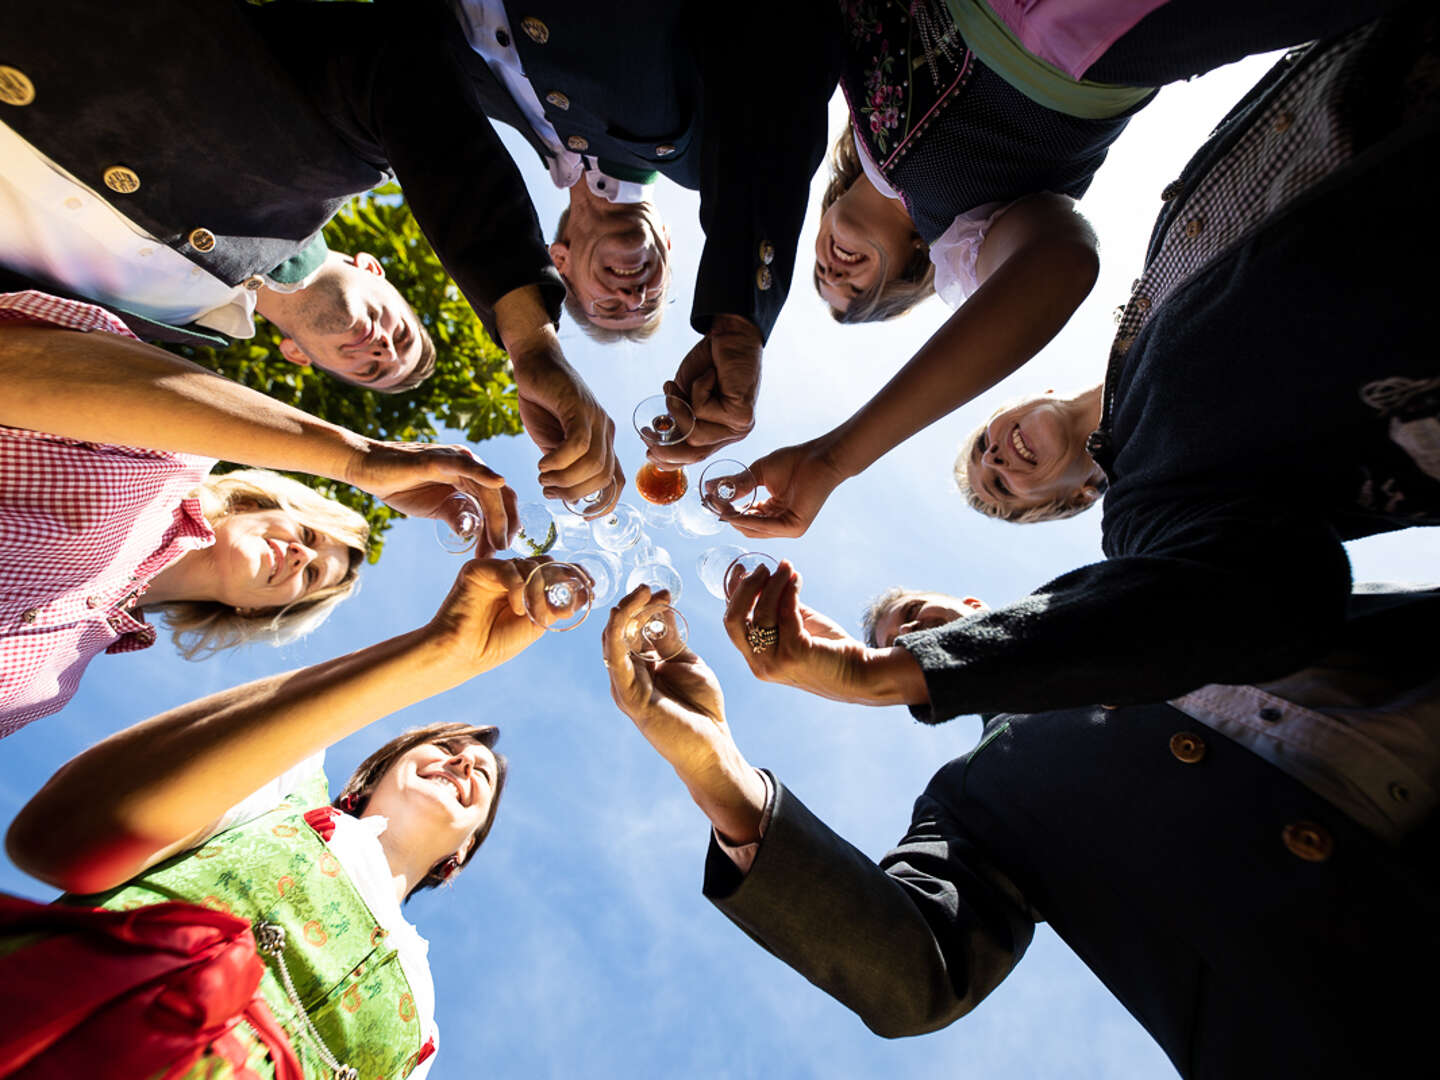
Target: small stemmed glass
<point>461,521</point>
<point>662,420</point>
<point>721,568</point>
<point>589,506</point>
<point>657,632</point>
<point>654,568</point>
<point>558,596</point>
<point>727,486</point>
<point>618,530</point>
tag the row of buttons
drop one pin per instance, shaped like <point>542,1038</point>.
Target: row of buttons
<point>17,89</point>
<point>763,278</point>
<point>539,33</point>
<point>1305,840</point>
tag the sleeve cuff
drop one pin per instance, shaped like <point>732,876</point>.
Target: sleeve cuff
<point>743,855</point>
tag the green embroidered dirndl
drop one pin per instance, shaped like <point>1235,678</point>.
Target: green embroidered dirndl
<point>277,870</point>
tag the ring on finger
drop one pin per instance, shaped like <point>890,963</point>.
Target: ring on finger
<point>761,637</point>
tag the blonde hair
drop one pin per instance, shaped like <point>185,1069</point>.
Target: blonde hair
<point>1057,509</point>
<point>205,627</point>
<point>884,299</point>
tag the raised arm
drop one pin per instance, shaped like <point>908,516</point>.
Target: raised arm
<point>759,153</point>
<point>909,945</point>
<point>1038,261</point>
<point>1225,592</point>
<point>146,792</point>
<point>471,202</point>
<point>103,387</point>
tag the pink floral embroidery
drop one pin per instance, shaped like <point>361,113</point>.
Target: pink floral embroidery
<point>882,98</point>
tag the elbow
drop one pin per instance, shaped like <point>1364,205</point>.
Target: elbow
<point>899,1019</point>
<point>26,844</point>
<point>51,854</point>
<point>1076,262</point>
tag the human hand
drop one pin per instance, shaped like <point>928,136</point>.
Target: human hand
<point>799,479</point>
<point>568,424</point>
<point>679,708</point>
<point>418,478</point>
<point>720,378</point>
<point>482,622</point>
<point>813,654</point>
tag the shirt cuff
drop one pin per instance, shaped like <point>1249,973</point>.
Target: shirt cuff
<point>743,855</point>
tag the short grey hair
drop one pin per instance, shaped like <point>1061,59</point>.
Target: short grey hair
<point>876,608</point>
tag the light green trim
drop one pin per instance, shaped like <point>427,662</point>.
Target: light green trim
<point>1000,50</point>
<point>303,263</point>
<point>628,173</point>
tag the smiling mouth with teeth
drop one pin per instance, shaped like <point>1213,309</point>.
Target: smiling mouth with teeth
<point>634,271</point>
<point>451,782</point>
<point>844,255</point>
<point>1023,450</point>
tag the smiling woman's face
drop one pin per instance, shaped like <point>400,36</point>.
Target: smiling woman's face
<point>268,559</point>
<point>858,248</point>
<point>1029,454</point>
<point>447,789</point>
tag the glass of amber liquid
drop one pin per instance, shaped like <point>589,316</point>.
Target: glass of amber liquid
<point>662,420</point>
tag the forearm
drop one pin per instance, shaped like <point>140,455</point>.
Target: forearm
<point>131,799</point>
<point>104,388</point>
<point>1021,306</point>
<point>729,792</point>
<point>909,945</point>
<point>1142,628</point>
<point>527,332</point>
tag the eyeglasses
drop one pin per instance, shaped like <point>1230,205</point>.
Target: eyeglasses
<point>652,295</point>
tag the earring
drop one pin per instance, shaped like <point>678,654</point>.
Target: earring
<point>349,803</point>
<point>448,868</point>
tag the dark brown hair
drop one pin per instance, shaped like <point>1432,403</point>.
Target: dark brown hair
<point>884,299</point>
<point>448,734</point>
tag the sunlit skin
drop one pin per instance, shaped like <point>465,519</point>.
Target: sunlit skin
<point>862,234</point>
<point>615,259</point>
<point>911,611</point>
<point>434,799</point>
<point>1034,452</point>
<point>349,320</point>
<point>261,560</point>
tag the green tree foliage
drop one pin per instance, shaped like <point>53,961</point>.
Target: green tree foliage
<point>471,391</point>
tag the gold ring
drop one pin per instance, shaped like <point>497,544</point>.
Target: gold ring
<point>761,637</point>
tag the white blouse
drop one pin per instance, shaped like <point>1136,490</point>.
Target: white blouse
<point>957,250</point>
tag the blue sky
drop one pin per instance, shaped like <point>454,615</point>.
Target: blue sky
<point>578,943</point>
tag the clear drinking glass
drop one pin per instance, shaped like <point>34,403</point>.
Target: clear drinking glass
<point>658,632</point>
<point>658,574</point>
<point>743,565</point>
<point>619,529</point>
<point>538,532</point>
<point>662,420</point>
<point>604,571</point>
<point>458,525</point>
<point>558,595</point>
<point>712,564</point>
<point>591,505</point>
<point>727,486</point>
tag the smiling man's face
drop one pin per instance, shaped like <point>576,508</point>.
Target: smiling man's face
<point>905,611</point>
<point>615,259</point>
<point>354,324</point>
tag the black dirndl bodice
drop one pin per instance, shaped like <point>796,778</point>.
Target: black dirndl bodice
<point>947,132</point>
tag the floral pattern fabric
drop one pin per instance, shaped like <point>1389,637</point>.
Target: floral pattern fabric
<point>277,869</point>
<point>900,71</point>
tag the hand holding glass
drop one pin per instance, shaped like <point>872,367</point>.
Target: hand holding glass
<point>662,420</point>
